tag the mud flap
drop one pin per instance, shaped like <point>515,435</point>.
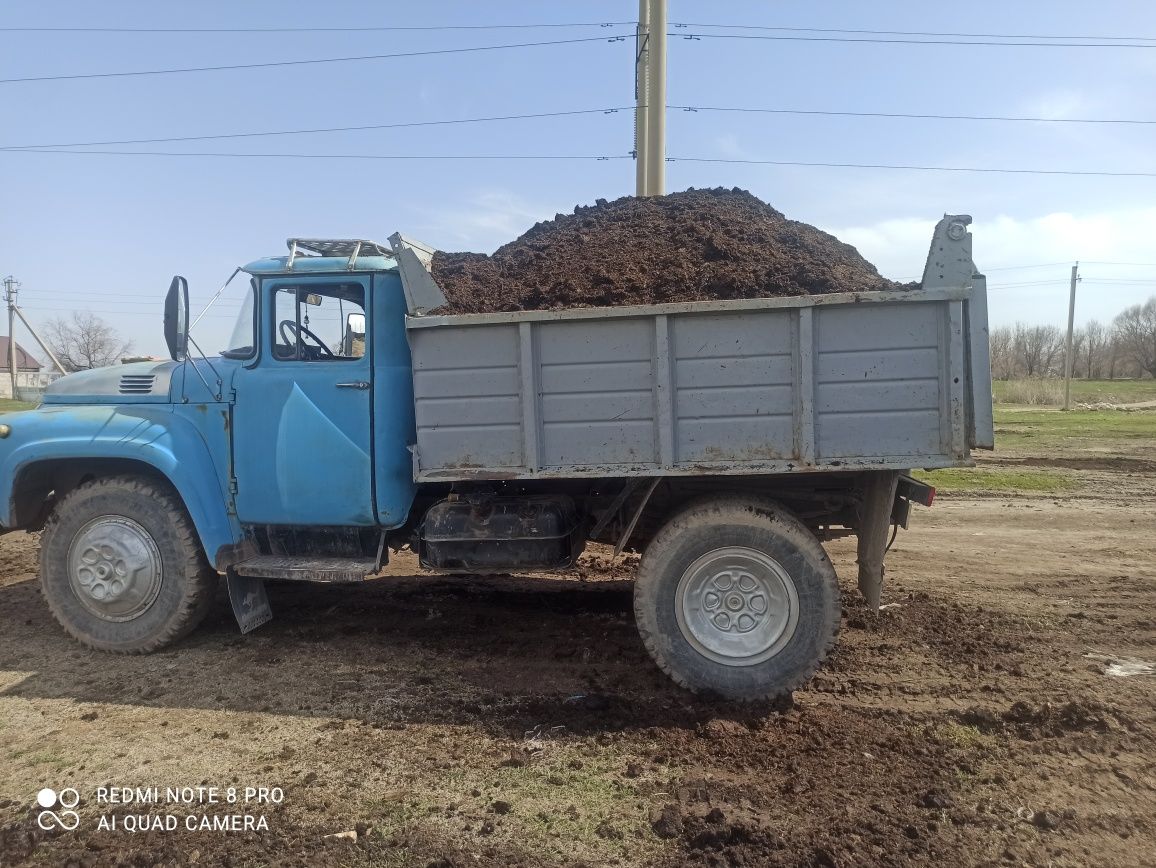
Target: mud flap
<point>249,600</point>
<point>874,519</point>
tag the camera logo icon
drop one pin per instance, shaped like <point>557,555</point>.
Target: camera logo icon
<point>67,819</point>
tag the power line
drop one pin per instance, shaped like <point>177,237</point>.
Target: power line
<point>1132,281</point>
<point>555,114</point>
<point>1138,264</point>
<point>571,24</point>
<point>684,24</point>
<point>895,166</point>
<point>313,61</point>
<point>1028,283</point>
<point>107,312</point>
<point>430,27</point>
<point>598,157</point>
<point>1023,267</point>
<point>906,41</point>
<point>911,115</point>
<point>360,128</point>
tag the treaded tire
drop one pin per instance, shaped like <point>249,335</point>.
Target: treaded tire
<point>753,523</point>
<point>187,583</point>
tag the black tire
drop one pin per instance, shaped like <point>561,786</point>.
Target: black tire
<point>718,528</point>
<point>176,602</point>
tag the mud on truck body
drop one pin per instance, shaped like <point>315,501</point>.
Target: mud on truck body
<point>723,440</point>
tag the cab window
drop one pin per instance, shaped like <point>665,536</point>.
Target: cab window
<point>319,322</point>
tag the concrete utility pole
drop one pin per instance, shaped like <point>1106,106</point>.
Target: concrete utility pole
<point>1068,349</point>
<point>11,287</point>
<point>641,67</point>
<point>656,102</point>
<point>47,349</point>
<point>650,96</point>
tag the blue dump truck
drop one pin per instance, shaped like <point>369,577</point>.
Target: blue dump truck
<point>723,440</point>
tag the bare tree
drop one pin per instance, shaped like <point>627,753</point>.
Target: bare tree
<point>1036,348</point>
<point>1003,360</point>
<point>84,341</point>
<point>1136,327</point>
<point>1079,339</point>
<point>1096,339</point>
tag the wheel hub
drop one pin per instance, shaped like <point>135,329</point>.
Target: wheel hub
<point>114,568</point>
<point>737,606</point>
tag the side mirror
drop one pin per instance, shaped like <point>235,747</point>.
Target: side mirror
<point>177,319</point>
<point>353,341</point>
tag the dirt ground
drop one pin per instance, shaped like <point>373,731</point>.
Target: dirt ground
<point>696,245</point>
<point>457,721</point>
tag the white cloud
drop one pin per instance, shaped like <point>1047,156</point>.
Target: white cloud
<point>1112,246</point>
<point>1058,104</point>
<point>481,222</point>
<point>727,145</point>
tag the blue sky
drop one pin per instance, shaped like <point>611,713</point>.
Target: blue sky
<point>105,233</point>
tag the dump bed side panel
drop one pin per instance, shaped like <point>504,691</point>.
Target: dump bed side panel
<point>878,381</point>
<point>707,388</point>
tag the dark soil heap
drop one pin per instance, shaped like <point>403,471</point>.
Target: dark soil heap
<point>700,245</point>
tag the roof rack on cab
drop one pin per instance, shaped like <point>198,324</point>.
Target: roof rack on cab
<point>351,248</point>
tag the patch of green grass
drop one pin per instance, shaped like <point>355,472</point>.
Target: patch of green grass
<point>1088,391</point>
<point>1048,429</point>
<point>47,757</point>
<point>971,479</point>
<point>7,405</point>
<point>557,807</point>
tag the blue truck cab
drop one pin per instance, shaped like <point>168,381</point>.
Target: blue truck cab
<point>301,426</point>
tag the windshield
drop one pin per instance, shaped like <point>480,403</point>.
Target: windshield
<point>243,342</point>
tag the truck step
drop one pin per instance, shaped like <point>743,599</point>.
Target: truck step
<point>307,569</point>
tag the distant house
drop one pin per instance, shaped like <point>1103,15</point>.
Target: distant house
<point>31,377</point>
<point>24,360</point>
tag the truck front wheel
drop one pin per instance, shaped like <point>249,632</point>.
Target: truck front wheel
<point>736,596</point>
<point>122,568</point>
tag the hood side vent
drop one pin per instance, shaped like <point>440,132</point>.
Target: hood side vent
<point>137,384</point>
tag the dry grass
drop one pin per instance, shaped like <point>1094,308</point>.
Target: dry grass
<point>1033,392</point>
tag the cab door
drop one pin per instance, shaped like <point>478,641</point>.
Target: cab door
<point>302,420</point>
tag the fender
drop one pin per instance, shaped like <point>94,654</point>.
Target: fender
<point>168,439</point>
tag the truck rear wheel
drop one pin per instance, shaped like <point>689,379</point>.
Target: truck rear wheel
<point>122,568</point>
<point>736,596</point>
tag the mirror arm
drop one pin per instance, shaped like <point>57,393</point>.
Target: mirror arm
<point>217,393</point>
<point>213,300</point>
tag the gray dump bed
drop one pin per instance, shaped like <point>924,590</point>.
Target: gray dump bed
<point>829,382</point>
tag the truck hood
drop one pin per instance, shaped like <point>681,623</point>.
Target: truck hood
<point>138,382</point>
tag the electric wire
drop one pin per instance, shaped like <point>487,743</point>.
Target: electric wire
<point>680,25</point>
<point>907,167</point>
<point>1022,267</point>
<point>310,61</point>
<point>589,157</point>
<point>358,29</point>
<point>556,114</point>
<point>865,40</point>
<point>297,132</point>
<point>298,156</point>
<point>911,115</point>
<point>685,24</point>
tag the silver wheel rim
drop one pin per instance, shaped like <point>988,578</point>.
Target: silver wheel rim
<point>737,606</point>
<point>114,568</point>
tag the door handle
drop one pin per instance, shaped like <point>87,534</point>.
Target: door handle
<point>356,384</point>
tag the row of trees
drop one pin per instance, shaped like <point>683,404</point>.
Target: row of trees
<point>1125,348</point>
